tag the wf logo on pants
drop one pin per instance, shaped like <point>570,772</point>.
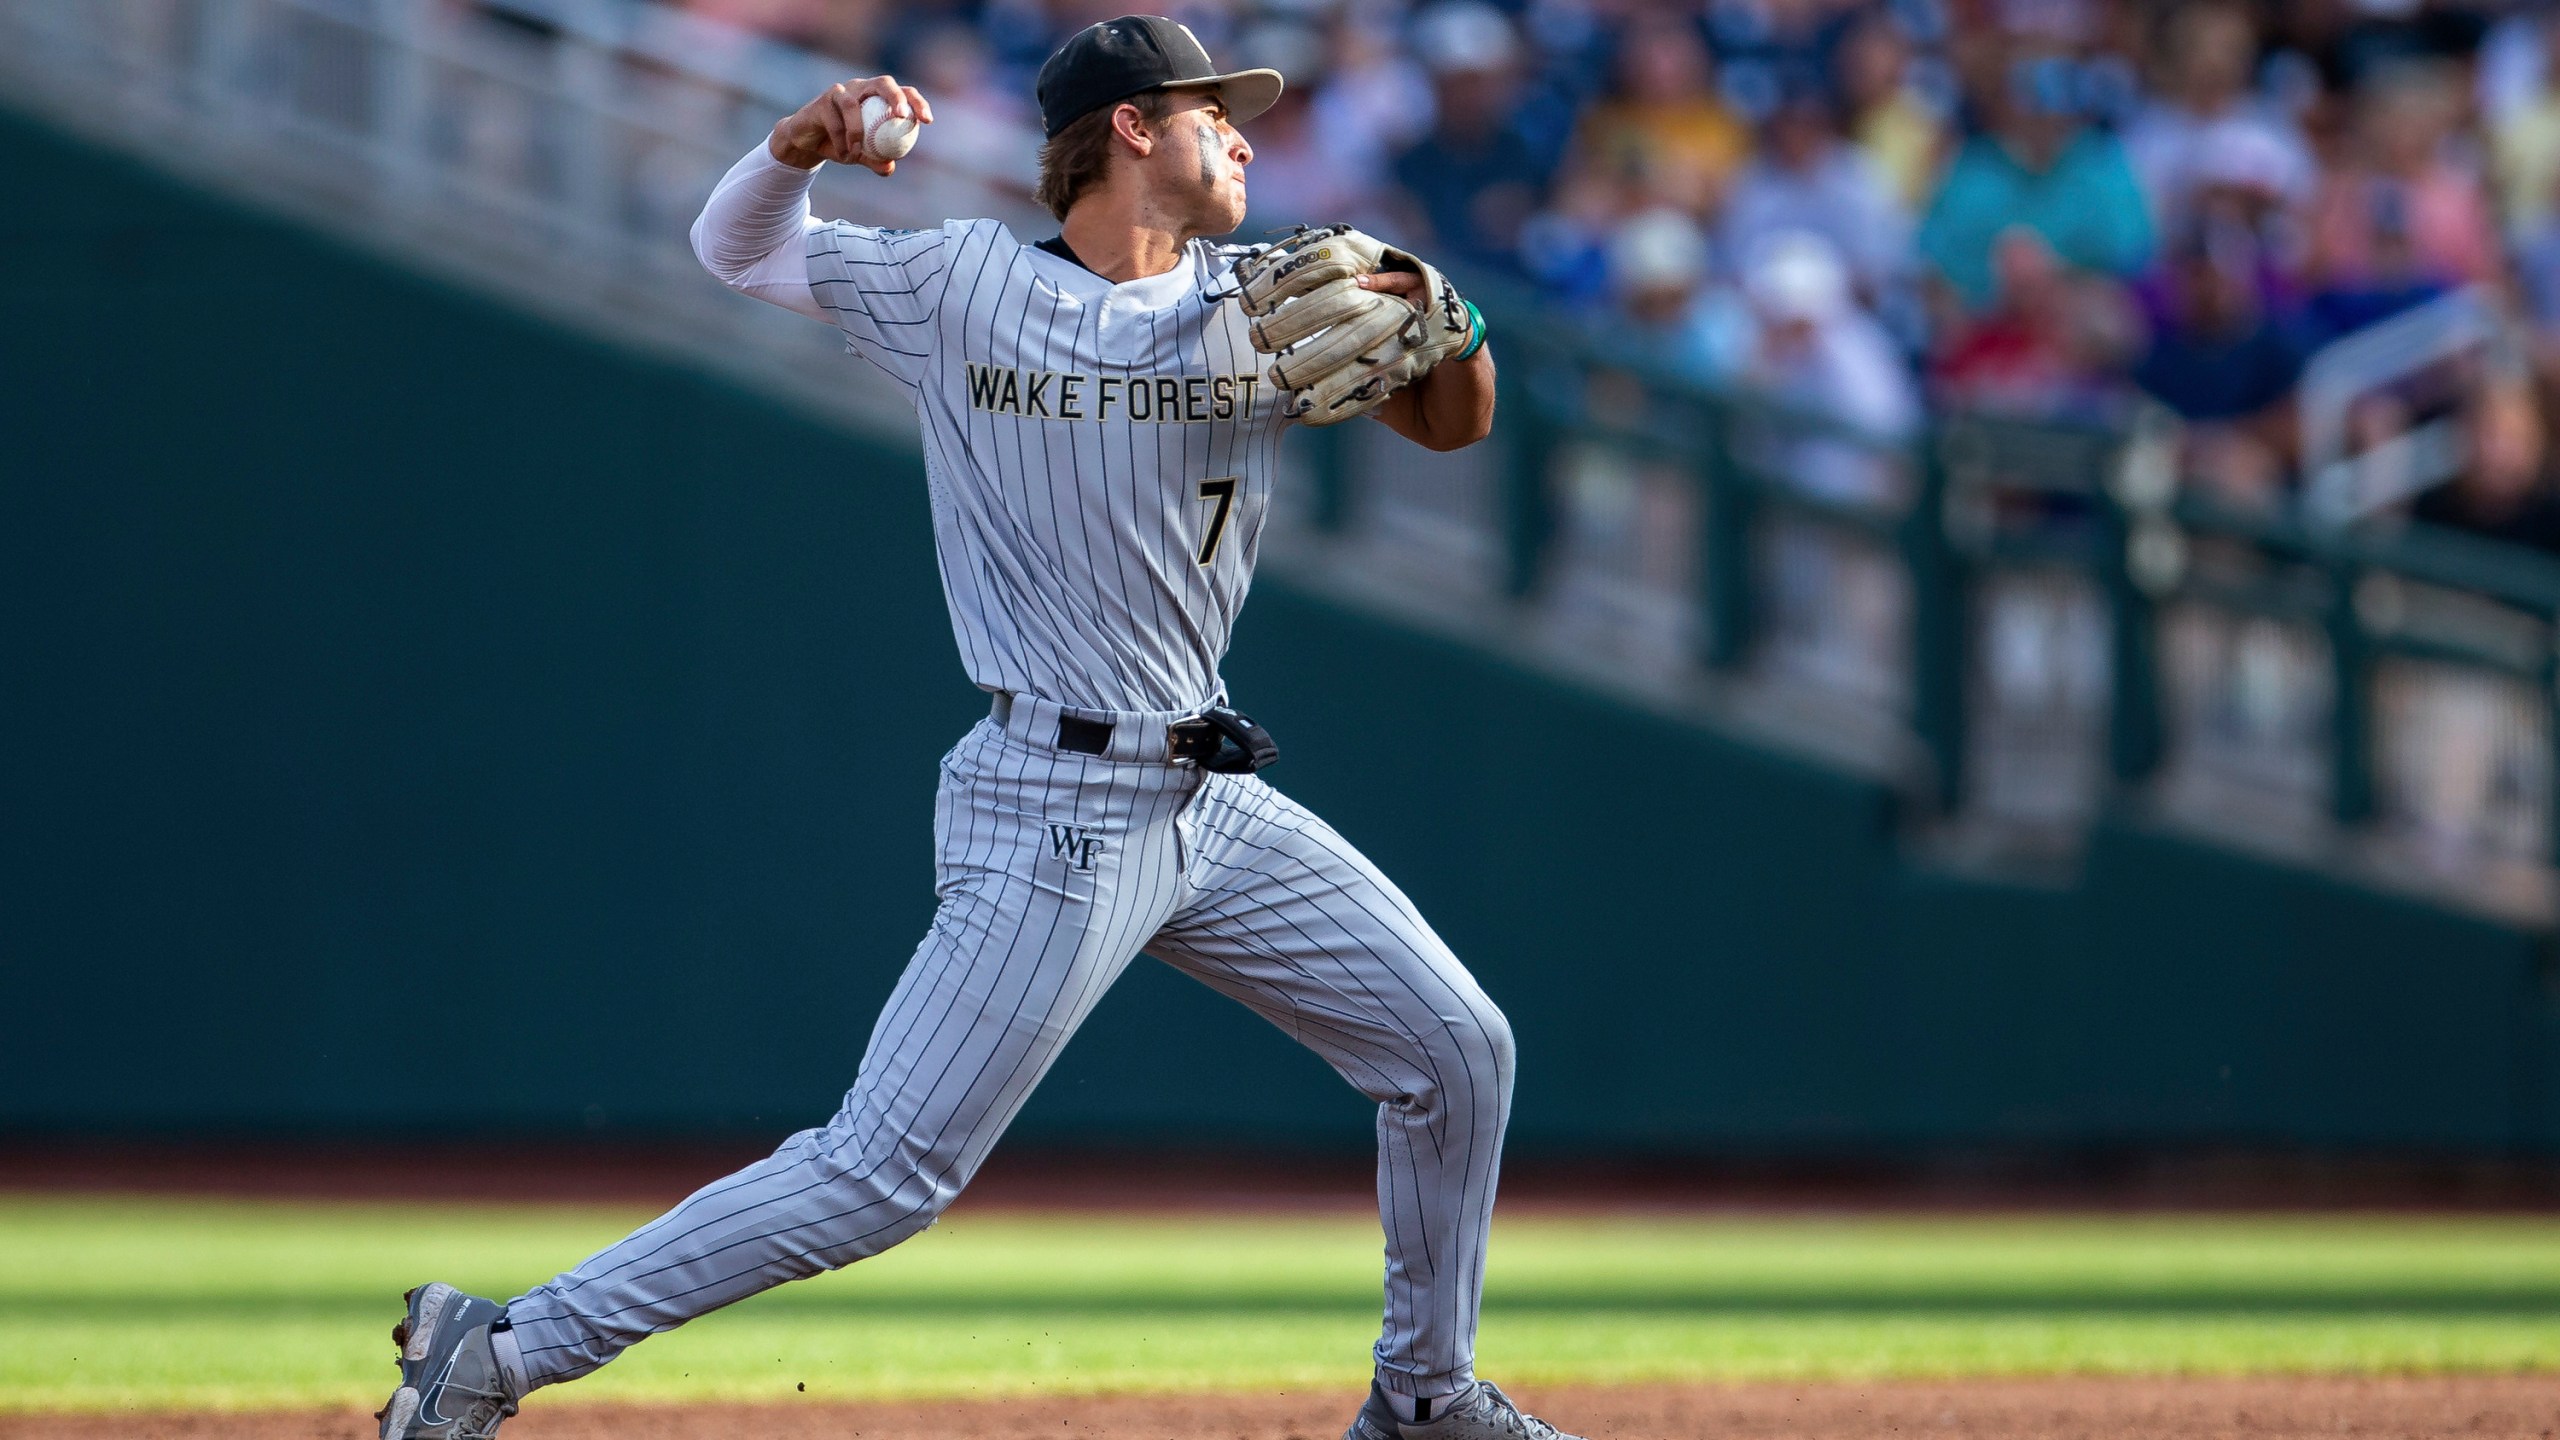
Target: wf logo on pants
<point>1074,844</point>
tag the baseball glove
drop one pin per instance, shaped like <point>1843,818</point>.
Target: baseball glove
<point>1339,350</point>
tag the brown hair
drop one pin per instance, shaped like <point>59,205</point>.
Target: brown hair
<point>1076,158</point>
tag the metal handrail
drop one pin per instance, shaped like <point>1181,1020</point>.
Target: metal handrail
<point>2365,584</point>
<point>2340,488</point>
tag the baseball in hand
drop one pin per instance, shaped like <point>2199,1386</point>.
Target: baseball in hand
<point>885,136</point>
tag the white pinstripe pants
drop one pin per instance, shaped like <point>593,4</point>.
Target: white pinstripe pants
<point>1055,869</point>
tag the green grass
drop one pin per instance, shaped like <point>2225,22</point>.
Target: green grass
<point>194,1304</point>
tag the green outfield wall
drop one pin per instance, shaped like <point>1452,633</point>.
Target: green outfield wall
<point>413,716</point>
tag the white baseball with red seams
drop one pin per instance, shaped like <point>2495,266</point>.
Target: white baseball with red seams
<point>1100,458</point>
<point>887,136</point>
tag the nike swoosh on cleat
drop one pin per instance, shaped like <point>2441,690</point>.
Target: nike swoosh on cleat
<point>433,1392</point>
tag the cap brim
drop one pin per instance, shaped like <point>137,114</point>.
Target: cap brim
<point>1247,93</point>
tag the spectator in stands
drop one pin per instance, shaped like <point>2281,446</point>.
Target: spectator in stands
<point>2206,110</point>
<point>2245,183</point>
<point>2041,168</point>
<point>1766,45</point>
<point>979,124</point>
<point>1309,167</point>
<point>2114,85</point>
<point>2514,66</point>
<point>2053,341</point>
<point>954,59</point>
<point>1668,316</point>
<point>1904,134</point>
<point>1568,67</point>
<point>2226,364</point>
<point>1813,347</point>
<point>2507,490</point>
<point>840,29</point>
<point>2397,221</point>
<point>1807,179</point>
<point>1566,246</point>
<point>1373,84</point>
<point>2055,22</point>
<point>2525,137</point>
<point>1809,346</point>
<point>1019,35</point>
<point>1664,127</point>
<point>1473,178</point>
<point>907,28</point>
<point>2356,41</point>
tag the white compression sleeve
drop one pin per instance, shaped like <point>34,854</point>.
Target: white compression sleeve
<point>750,233</point>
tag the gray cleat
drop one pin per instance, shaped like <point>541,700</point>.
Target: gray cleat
<point>1478,1413</point>
<point>450,1384</point>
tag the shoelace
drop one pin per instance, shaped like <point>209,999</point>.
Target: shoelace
<point>1510,1417</point>
<point>488,1409</point>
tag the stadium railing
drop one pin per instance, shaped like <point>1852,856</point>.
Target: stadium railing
<point>2021,627</point>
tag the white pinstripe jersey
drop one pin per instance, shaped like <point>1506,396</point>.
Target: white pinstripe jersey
<point>1100,455</point>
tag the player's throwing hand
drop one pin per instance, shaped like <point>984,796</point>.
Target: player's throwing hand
<point>830,127</point>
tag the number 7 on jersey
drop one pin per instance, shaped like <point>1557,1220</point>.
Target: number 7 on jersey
<point>1223,490</point>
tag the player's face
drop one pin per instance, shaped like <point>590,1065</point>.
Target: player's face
<point>1203,158</point>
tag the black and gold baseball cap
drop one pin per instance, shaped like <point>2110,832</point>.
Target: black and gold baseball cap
<point>1107,63</point>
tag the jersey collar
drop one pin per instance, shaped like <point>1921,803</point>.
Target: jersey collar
<point>1059,267</point>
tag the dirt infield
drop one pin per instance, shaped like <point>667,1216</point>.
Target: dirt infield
<point>2476,1408</point>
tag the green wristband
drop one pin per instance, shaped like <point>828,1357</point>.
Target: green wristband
<point>1475,322</point>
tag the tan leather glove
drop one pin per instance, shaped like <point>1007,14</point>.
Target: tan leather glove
<point>1339,350</point>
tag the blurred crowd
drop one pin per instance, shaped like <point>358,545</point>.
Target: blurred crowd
<point>2043,207</point>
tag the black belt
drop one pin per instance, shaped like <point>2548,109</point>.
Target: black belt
<point>1217,739</point>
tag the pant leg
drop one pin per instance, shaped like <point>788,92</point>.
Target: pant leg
<point>1052,871</point>
<point>1290,919</point>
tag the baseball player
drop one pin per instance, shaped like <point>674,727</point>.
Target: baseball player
<point>1101,411</point>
